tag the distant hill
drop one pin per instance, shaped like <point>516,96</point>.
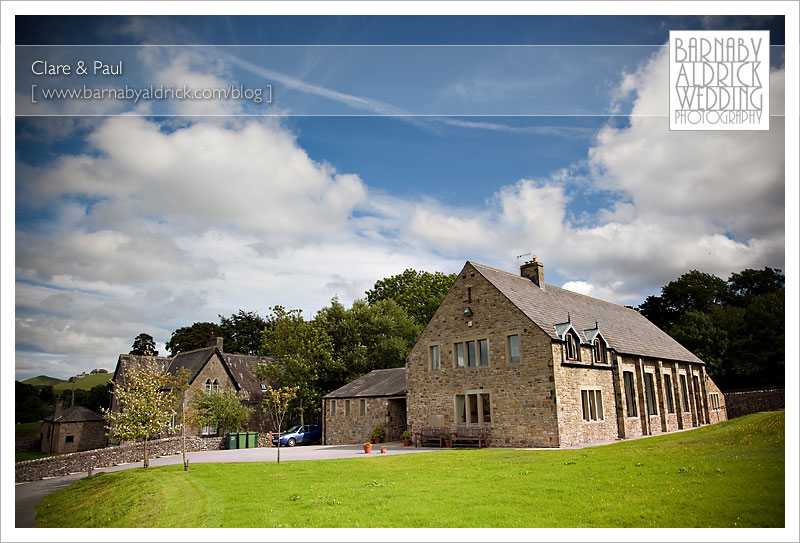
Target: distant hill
<point>84,383</point>
<point>43,380</point>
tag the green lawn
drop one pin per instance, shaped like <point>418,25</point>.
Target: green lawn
<point>20,456</point>
<point>85,383</point>
<point>726,475</point>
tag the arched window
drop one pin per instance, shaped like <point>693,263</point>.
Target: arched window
<point>571,345</point>
<point>208,385</point>
<point>215,386</point>
<point>600,351</point>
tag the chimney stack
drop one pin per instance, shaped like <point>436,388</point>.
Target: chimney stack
<point>533,270</point>
<point>59,408</point>
<point>215,341</point>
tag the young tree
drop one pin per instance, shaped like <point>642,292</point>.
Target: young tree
<point>276,403</point>
<point>146,405</point>
<point>179,383</point>
<point>144,345</point>
<point>222,409</point>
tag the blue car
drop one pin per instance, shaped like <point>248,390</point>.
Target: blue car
<point>306,434</point>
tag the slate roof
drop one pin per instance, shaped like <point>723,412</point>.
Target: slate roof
<point>243,367</point>
<point>77,413</point>
<point>625,330</point>
<point>377,383</point>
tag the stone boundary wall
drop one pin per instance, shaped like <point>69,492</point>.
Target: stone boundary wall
<point>26,445</point>
<point>743,403</point>
<point>77,462</point>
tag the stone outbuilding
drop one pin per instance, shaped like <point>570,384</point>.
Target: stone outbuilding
<point>535,365</point>
<point>74,429</point>
<point>376,399</point>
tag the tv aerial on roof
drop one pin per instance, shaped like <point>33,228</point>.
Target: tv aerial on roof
<point>520,256</point>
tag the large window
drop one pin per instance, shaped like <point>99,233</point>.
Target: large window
<point>684,393</point>
<point>513,348</point>
<point>208,385</point>
<point>630,393</point>
<point>650,394</point>
<point>333,407</point>
<point>473,408</point>
<point>362,410</point>
<point>571,346</point>
<point>713,398</point>
<point>435,361</point>
<point>347,408</point>
<point>209,430</point>
<point>474,353</point>
<point>592,405</point>
<point>668,393</point>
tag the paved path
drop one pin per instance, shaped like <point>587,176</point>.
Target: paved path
<point>29,494</point>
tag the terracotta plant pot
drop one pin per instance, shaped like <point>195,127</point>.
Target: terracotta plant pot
<point>383,450</point>
<point>406,443</point>
<point>448,443</point>
<point>367,448</point>
<point>377,440</point>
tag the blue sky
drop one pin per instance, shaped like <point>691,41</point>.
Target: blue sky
<point>374,159</point>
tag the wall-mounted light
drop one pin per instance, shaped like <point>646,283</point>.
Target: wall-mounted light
<point>467,311</point>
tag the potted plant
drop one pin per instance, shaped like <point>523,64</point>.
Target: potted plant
<point>377,434</point>
<point>406,437</point>
<point>367,447</point>
<point>383,449</point>
<point>448,440</point>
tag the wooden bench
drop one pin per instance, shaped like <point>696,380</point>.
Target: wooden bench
<point>471,437</point>
<point>428,436</point>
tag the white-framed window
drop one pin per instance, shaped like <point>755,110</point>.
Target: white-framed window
<point>592,405</point>
<point>435,361</point>
<point>215,386</point>
<point>684,393</point>
<point>333,407</point>
<point>513,348</point>
<point>571,347</point>
<point>362,409</point>
<point>263,387</point>
<point>473,407</point>
<point>650,394</point>
<point>474,353</point>
<point>347,408</point>
<point>630,393</point>
<point>599,351</point>
<point>209,430</point>
<point>208,385</point>
<point>668,396</point>
<point>713,399</point>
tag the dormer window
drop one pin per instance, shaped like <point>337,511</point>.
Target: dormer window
<point>571,346</point>
<point>600,351</point>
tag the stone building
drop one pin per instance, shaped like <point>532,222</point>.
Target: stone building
<point>210,369</point>
<point>71,430</point>
<point>376,399</point>
<point>540,366</point>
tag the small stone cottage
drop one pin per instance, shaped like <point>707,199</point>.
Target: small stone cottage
<point>539,366</point>
<point>73,429</point>
<point>376,399</point>
<point>210,369</point>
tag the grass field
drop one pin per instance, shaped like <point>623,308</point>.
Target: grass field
<point>726,475</point>
<point>85,383</point>
<point>43,380</point>
<point>20,456</point>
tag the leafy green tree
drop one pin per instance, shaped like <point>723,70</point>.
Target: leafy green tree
<point>221,408</point>
<point>242,332</point>
<point>28,404</point>
<point>191,337</point>
<point>418,292</point>
<point>693,291</point>
<point>305,358</point>
<point>698,333</point>
<point>276,403</point>
<point>146,405</point>
<point>144,345</point>
<point>749,283</point>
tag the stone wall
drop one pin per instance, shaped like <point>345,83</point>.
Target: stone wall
<point>54,466</point>
<point>742,403</point>
<point>521,394</point>
<point>341,428</point>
